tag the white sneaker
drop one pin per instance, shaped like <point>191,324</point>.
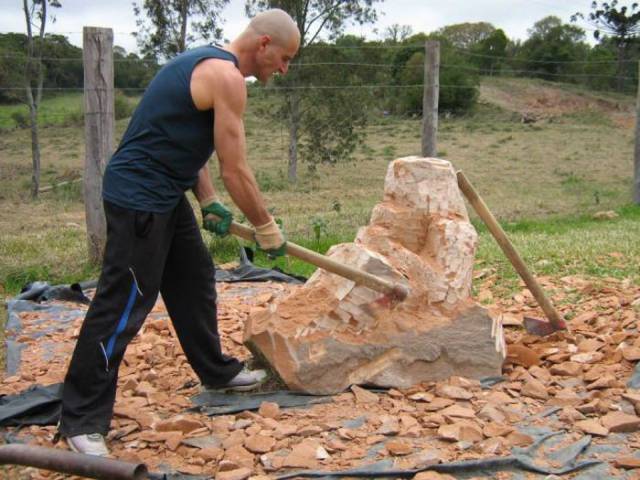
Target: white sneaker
<point>89,444</point>
<point>243,382</point>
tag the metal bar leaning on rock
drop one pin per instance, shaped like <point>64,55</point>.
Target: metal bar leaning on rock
<point>71,463</point>
<point>532,325</point>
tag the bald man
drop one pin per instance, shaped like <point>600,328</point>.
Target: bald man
<point>193,106</point>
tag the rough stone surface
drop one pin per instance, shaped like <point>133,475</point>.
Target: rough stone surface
<point>331,334</point>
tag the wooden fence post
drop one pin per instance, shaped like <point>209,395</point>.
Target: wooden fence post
<point>430,99</point>
<point>636,159</point>
<point>99,125</point>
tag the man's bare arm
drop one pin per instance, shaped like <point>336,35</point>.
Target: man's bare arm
<point>204,190</point>
<point>229,103</point>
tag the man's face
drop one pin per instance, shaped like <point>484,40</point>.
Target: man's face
<point>273,58</point>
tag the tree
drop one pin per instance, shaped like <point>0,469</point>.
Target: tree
<point>623,24</point>
<point>315,18</point>
<point>492,52</point>
<point>552,50</point>
<point>458,84</point>
<point>132,73</point>
<point>35,14</point>
<point>466,35</point>
<point>175,24</point>
<point>397,33</point>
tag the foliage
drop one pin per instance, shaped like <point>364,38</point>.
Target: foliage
<point>168,27</point>
<point>621,24</point>
<point>325,121</point>
<point>466,35</point>
<point>319,227</point>
<point>550,49</point>
<point>491,52</point>
<point>131,72</point>
<point>458,83</point>
<point>122,107</point>
<point>62,67</point>
<point>36,16</point>
<point>332,119</point>
<point>397,33</point>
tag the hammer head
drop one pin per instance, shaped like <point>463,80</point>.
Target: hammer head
<point>542,328</point>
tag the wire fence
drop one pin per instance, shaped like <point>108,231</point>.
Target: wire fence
<point>378,81</point>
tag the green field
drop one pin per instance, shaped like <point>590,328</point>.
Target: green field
<point>542,179</point>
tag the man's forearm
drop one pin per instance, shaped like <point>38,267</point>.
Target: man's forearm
<point>244,191</point>
<point>204,190</point>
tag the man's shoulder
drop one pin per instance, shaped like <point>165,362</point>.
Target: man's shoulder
<point>220,71</point>
<point>216,80</point>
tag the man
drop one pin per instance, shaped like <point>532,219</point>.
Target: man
<point>194,105</point>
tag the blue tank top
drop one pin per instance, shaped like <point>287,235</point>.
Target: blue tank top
<point>168,140</point>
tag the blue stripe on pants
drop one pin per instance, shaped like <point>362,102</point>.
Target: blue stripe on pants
<point>123,320</point>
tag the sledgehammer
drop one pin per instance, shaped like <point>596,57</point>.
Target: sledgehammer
<point>394,291</point>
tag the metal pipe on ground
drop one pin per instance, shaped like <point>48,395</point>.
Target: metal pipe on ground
<point>71,463</point>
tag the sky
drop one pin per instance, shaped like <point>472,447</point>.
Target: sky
<point>513,16</point>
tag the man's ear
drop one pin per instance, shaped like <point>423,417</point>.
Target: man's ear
<point>265,40</point>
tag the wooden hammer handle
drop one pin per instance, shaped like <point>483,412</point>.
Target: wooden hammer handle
<point>360,277</point>
<point>507,247</point>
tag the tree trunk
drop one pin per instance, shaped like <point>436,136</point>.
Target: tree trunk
<point>636,153</point>
<point>182,41</point>
<point>620,72</point>
<point>34,102</point>
<point>35,143</point>
<point>294,126</point>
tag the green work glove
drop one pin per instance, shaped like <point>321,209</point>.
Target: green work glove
<point>220,226</point>
<point>270,239</point>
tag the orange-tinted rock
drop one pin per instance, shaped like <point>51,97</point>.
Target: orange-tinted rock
<point>259,443</point>
<point>621,422</point>
<point>398,447</point>
<point>269,410</point>
<point>592,427</point>
<point>238,474</point>
<point>428,475</point>
<point>364,396</point>
<point>330,334</point>
<point>180,423</point>
<point>535,389</point>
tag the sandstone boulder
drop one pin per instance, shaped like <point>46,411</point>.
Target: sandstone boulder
<point>331,334</point>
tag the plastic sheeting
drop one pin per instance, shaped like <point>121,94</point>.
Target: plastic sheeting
<point>536,458</point>
<point>248,272</point>
<point>35,406</point>
<point>245,272</point>
<point>42,292</point>
<point>213,403</point>
<point>41,405</point>
<point>634,381</point>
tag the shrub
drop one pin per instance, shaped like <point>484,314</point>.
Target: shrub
<point>21,119</point>
<point>122,106</point>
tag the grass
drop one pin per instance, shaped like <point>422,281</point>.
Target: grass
<point>573,245</point>
<point>58,110</point>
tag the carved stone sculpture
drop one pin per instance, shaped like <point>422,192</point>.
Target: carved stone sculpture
<point>330,334</point>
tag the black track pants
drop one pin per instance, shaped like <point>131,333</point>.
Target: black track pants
<point>146,253</point>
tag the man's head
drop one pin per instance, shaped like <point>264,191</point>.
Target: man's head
<point>273,39</point>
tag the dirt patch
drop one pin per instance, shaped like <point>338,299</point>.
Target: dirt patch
<point>537,101</point>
